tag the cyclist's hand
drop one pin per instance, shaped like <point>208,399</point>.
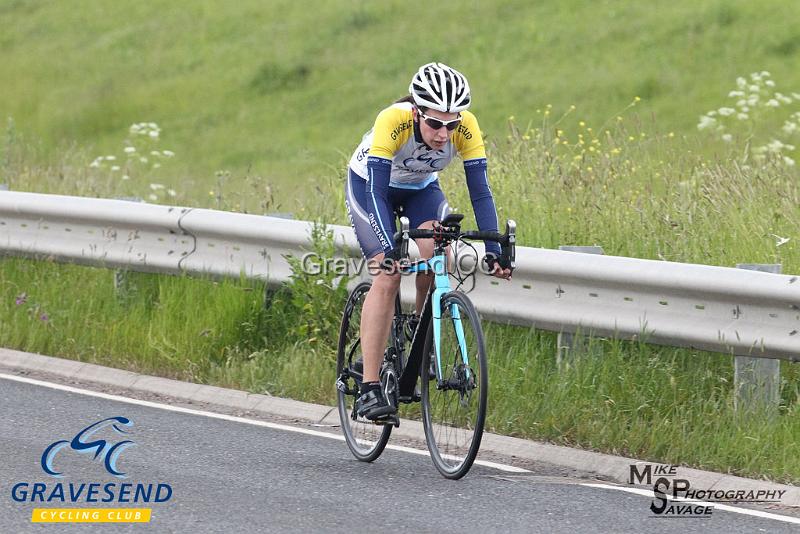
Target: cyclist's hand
<point>498,266</point>
<point>499,272</point>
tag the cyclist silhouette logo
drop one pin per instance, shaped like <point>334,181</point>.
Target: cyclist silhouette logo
<point>83,443</point>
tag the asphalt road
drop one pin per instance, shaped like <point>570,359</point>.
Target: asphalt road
<point>229,476</point>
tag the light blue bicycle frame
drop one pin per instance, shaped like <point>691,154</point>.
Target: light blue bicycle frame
<point>438,265</point>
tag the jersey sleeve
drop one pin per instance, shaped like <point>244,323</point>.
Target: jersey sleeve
<point>393,126</point>
<point>468,138</point>
<point>480,194</point>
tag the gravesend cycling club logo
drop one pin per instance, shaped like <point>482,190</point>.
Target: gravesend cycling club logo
<point>81,444</point>
<point>102,444</point>
<point>676,497</point>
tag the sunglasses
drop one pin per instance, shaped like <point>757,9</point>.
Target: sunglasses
<point>435,123</point>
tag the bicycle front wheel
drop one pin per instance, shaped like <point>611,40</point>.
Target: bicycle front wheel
<point>365,439</point>
<point>454,399</point>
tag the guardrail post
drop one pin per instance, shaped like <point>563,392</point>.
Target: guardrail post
<point>757,381</point>
<point>123,285</point>
<point>568,345</point>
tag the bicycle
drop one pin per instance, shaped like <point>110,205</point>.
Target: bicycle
<point>449,363</point>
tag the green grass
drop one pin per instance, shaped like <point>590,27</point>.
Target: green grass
<point>275,96</point>
<point>655,403</point>
<point>281,90</point>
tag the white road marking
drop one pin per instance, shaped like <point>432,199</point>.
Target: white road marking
<point>232,418</point>
<point>288,428</point>
<point>718,506</point>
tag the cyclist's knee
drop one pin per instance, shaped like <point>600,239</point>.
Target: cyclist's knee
<point>425,246</point>
<point>383,281</point>
<point>386,284</point>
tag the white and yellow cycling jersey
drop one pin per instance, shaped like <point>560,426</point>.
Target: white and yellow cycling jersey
<point>414,164</point>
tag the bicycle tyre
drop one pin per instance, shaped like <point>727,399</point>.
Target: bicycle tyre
<point>365,439</point>
<point>442,419</point>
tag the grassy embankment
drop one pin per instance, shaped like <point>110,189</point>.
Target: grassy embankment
<point>647,188</point>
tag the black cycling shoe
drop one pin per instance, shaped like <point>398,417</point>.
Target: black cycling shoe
<point>372,405</point>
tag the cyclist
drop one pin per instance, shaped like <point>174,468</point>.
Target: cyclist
<point>393,170</point>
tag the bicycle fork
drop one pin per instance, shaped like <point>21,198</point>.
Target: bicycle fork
<point>442,286</point>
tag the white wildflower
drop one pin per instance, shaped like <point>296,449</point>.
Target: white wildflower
<point>765,74</point>
<point>111,158</point>
<point>168,153</point>
<point>773,103</point>
<point>726,111</point>
<point>783,98</point>
<point>753,100</point>
<point>115,168</point>
<point>152,197</point>
<point>788,161</point>
<point>741,103</point>
<point>156,187</point>
<point>155,153</point>
<point>742,116</point>
<point>143,160</point>
<point>734,94</point>
<point>727,138</point>
<point>130,149</point>
<point>775,146</point>
<point>754,88</point>
<point>172,193</point>
<point>780,240</point>
<point>154,134</point>
<point>789,127</point>
<point>769,83</point>
<point>156,165</point>
<point>126,177</point>
<point>706,122</point>
<point>741,83</point>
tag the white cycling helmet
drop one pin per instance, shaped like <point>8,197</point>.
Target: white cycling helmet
<point>437,86</point>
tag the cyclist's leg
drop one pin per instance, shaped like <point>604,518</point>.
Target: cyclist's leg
<point>376,319</point>
<point>424,208</point>
<point>378,309</point>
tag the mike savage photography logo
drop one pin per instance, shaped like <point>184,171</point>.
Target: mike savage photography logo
<point>101,444</point>
<point>677,497</point>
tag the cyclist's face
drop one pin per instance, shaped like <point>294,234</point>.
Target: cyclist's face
<point>434,138</point>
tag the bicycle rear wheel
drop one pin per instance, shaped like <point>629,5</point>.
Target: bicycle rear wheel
<point>365,439</point>
<point>454,409</point>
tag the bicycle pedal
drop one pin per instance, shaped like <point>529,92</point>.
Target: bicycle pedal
<point>341,386</point>
<point>388,420</point>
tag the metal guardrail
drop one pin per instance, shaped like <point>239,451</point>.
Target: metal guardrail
<point>719,309</point>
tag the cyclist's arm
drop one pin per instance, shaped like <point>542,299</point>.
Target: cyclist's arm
<point>379,170</point>
<point>469,143</point>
